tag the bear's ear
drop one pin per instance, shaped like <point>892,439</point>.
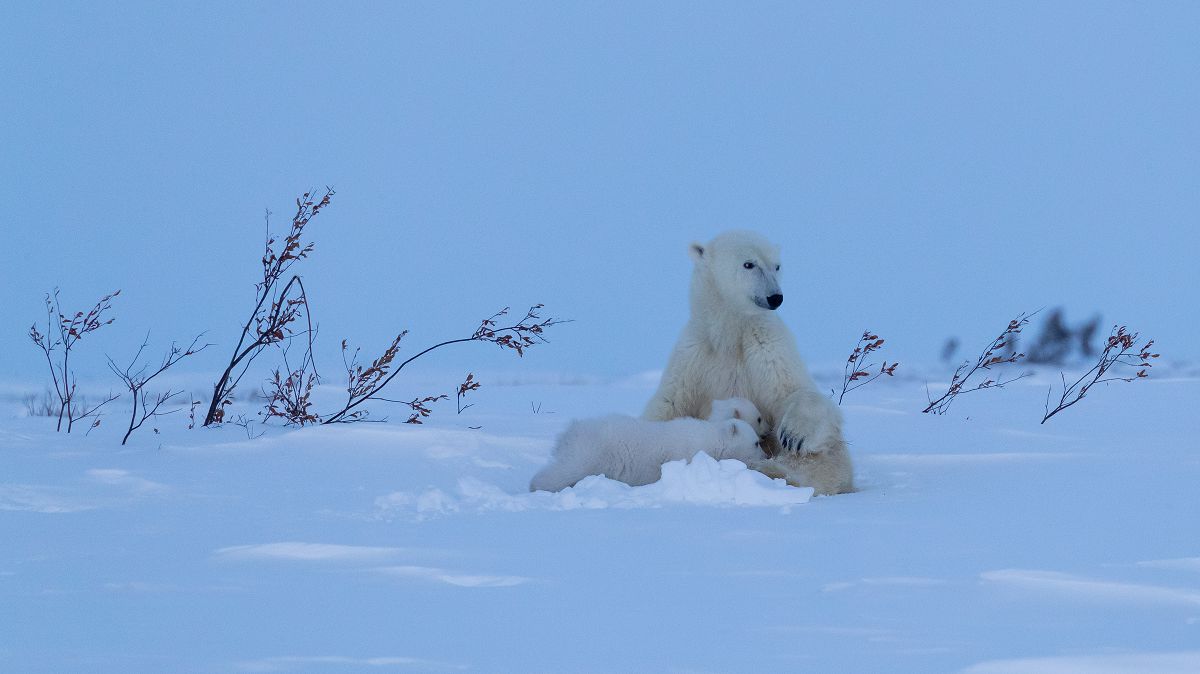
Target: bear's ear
<point>737,414</point>
<point>733,429</point>
<point>696,251</point>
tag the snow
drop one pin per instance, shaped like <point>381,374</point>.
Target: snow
<point>978,542</point>
<point>700,481</point>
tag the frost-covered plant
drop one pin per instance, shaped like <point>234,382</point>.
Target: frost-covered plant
<point>1120,351</point>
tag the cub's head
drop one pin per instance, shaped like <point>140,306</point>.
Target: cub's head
<point>739,440</point>
<point>742,268</point>
<point>739,408</point>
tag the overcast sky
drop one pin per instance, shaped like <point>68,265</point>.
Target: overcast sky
<point>928,169</point>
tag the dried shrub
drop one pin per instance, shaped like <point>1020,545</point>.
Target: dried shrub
<point>44,405</point>
<point>278,304</point>
<point>289,396</point>
<point>147,406</point>
<point>993,355</point>
<point>63,332</point>
<point>1120,351</point>
<point>856,373</point>
<point>364,384</point>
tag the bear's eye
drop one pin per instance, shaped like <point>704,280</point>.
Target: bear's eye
<point>748,265</point>
<point>776,267</point>
<point>760,420</point>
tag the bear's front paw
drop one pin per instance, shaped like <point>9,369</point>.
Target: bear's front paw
<point>810,424</point>
<point>789,441</point>
<point>806,438</point>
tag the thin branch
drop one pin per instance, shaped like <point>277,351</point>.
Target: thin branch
<point>364,383</point>
<point>65,331</point>
<point>469,384</point>
<point>856,371</point>
<point>1120,350</point>
<point>986,361</point>
<point>144,405</point>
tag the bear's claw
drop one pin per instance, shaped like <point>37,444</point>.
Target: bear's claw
<point>787,440</point>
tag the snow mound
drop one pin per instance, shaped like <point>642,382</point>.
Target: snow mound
<point>701,481</point>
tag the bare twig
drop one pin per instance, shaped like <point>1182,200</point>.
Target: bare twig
<point>856,371</point>
<point>247,425</point>
<point>365,383</point>
<point>986,361</point>
<point>146,405</point>
<point>192,413</point>
<point>1121,351</point>
<point>82,411</point>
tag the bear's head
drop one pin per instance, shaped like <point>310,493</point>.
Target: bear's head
<point>742,268</point>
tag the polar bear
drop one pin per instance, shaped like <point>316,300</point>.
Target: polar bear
<point>633,450</point>
<point>734,344</point>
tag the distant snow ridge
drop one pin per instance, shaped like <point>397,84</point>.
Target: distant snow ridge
<point>701,481</point>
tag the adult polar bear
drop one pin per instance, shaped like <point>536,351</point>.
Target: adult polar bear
<point>734,345</point>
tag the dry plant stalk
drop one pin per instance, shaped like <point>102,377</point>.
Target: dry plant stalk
<point>365,383</point>
<point>1120,350</point>
<point>289,397</point>
<point>63,331</point>
<point>276,307</point>
<point>469,384</point>
<point>419,409</point>
<point>146,406</point>
<point>986,361</point>
<point>856,374</point>
<point>246,424</point>
<point>192,413</point>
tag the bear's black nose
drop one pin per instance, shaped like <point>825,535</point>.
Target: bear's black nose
<point>774,301</point>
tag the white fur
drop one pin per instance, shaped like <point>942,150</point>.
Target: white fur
<point>735,345</point>
<point>634,450</point>
<point>739,408</point>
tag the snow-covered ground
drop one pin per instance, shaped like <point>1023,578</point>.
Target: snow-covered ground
<point>979,541</point>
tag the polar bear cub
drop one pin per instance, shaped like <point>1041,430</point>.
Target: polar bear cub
<point>633,450</point>
<point>739,408</point>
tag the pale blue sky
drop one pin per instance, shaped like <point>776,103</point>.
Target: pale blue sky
<point>929,169</point>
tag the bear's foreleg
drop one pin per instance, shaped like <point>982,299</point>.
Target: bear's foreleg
<point>809,423</point>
